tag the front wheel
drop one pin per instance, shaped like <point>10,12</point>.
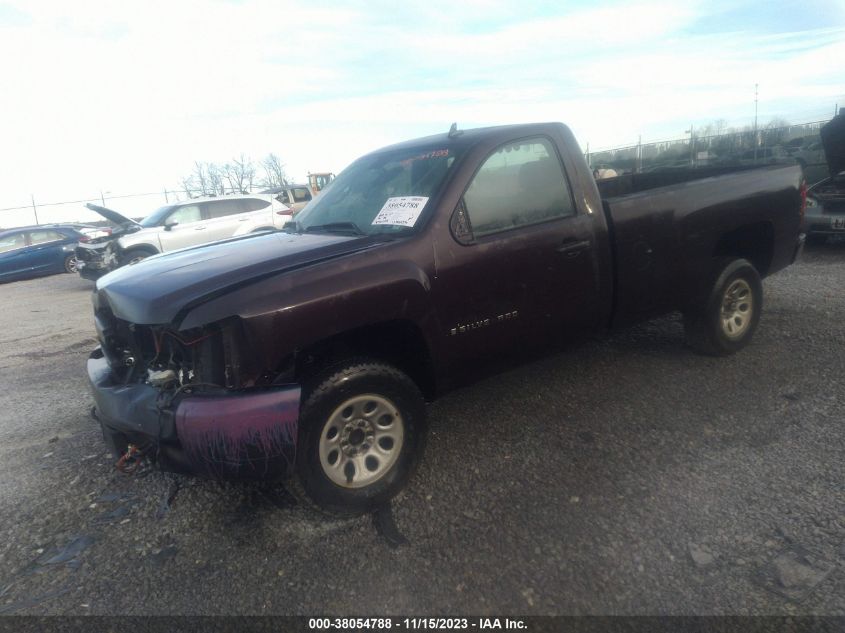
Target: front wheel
<point>361,434</point>
<point>726,321</point>
<point>133,256</point>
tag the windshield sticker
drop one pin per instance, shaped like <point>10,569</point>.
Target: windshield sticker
<point>401,211</point>
<point>438,153</point>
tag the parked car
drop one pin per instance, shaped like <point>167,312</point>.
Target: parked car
<point>31,251</point>
<point>810,154</point>
<point>176,226</point>
<point>763,156</point>
<point>825,214</point>
<point>293,196</point>
<point>422,267</point>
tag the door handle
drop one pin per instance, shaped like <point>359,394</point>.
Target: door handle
<point>199,228</point>
<point>573,248</point>
<point>243,220</point>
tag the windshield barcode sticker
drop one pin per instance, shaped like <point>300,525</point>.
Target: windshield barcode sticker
<point>401,211</point>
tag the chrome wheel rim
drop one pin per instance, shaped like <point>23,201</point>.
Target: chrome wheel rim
<point>737,309</point>
<point>72,265</point>
<point>136,259</point>
<point>361,441</point>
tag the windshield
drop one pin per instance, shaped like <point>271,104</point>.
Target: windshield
<point>381,193</point>
<point>156,218</point>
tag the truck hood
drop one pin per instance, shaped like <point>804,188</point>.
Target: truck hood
<point>161,289</point>
<point>833,140</point>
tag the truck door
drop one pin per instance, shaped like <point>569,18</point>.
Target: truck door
<point>521,267</point>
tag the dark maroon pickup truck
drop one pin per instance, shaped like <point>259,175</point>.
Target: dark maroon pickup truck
<point>425,264</point>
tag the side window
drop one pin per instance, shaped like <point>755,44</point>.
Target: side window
<point>12,242</point>
<point>186,214</point>
<point>254,204</point>
<point>301,194</point>
<point>42,237</point>
<point>222,208</point>
<point>521,183</point>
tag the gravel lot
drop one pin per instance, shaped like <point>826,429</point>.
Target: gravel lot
<point>626,476</point>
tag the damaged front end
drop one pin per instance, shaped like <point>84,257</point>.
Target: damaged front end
<point>190,400</point>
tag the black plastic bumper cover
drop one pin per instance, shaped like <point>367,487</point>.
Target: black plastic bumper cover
<point>248,434</point>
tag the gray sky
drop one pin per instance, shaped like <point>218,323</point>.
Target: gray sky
<point>124,97</point>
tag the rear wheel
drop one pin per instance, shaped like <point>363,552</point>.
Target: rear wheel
<point>726,321</point>
<point>361,434</point>
<point>71,264</point>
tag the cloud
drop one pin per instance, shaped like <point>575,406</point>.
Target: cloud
<point>126,97</point>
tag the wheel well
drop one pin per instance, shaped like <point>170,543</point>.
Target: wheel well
<point>399,343</point>
<point>754,242</point>
<point>141,247</point>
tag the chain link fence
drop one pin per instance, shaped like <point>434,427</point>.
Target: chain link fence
<point>734,148</point>
<point>745,147</point>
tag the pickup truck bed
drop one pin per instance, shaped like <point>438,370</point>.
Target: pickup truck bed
<point>664,236</point>
<point>424,264</point>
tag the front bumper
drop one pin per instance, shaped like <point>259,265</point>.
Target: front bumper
<point>90,271</point>
<point>91,263</point>
<point>248,434</point>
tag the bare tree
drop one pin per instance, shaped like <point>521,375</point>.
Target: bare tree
<point>274,172</point>
<point>216,186</point>
<point>775,131</point>
<point>204,180</point>
<point>240,174</point>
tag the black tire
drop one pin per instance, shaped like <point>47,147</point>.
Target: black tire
<point>71,264</point>
<point>323,398</point>
<point>704,323</point>
<point>134,255</point>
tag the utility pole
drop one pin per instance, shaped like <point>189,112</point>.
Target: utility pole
<point>639,162</point>
<point>34,210</point>
<point>102,198</point>
<point>755,122</point>
<point>691,146</point>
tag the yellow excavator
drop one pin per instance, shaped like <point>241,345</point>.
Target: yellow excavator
<point>319,181</point>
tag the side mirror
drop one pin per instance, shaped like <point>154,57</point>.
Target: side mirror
<point>169,224</point>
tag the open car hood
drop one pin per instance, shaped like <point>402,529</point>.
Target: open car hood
<point>833,140</point>
<point>114,217</point>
